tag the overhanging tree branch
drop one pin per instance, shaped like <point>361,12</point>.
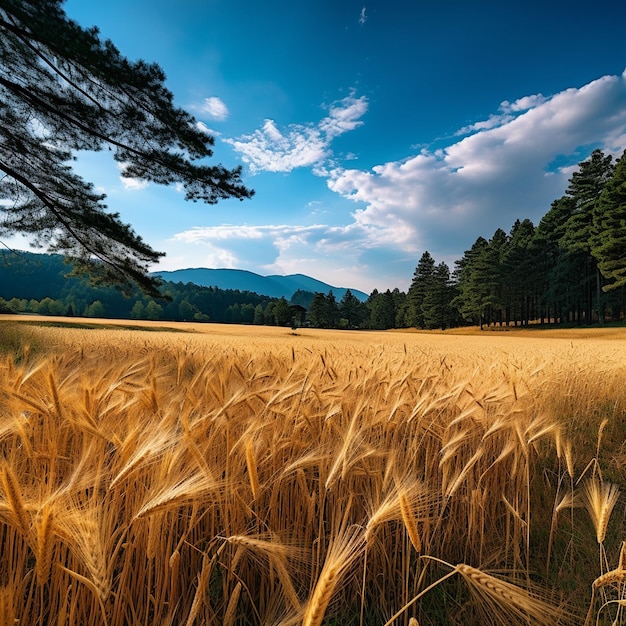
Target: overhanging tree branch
<point>63,89</point>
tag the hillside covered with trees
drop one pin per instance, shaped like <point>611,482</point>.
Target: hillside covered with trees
<point>568,269</point>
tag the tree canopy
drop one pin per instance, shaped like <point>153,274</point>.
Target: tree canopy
<point>63,89</point>
<point>609,237</point>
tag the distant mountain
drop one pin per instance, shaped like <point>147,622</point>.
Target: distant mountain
<point>274,286</point>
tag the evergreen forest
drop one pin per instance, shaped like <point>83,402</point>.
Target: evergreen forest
<point>570,268</point>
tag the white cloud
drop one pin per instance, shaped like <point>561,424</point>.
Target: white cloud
<point>299,145</point>
<point>439,201</point>
<point>215,107</point>
<point>492,122</point>
<point>507,113</point>
<point>343,116</point>
<point>443,200</point>
<point>522,104</point>
<point>362,16</point>
<point>131,184</point>
<point>206,130</point>
<point>334,254</point>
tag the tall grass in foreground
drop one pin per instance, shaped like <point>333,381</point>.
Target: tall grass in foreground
<point>171,483</point>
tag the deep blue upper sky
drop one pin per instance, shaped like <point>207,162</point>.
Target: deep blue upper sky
<point>371,131</point>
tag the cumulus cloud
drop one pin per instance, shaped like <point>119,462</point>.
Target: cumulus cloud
<point>215,108</point>
<point>134,184</point>
<point>441,200</point>
<point>522,104</point>
<point>492,122</point>
<point>501,171</point>
<point>299,145</point>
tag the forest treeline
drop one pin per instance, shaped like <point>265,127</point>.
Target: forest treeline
<point>569,269</point>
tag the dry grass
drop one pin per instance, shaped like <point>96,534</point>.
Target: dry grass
<point>246,475</point>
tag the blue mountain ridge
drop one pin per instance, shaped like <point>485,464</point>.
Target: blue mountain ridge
<point>274,286</point>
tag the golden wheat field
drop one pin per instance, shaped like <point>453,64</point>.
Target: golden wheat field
<point>228,475</point>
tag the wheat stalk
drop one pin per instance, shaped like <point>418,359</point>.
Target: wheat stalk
<point>7,609</point>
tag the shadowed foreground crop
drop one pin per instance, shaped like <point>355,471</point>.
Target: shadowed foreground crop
<point>194,479</point>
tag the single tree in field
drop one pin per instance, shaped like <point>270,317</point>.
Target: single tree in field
<point>62,90</point>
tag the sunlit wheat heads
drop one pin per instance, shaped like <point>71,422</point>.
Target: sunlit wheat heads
<point>236,475</point>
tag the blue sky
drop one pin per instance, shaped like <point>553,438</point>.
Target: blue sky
<point>370,131</point>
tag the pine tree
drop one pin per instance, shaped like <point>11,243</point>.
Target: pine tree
<point>63,89</point>
<point>383,312</point>
<point>469,300</point>
<point>551,260</point>
<point>608,244</point>
<point>352,310</point>
<point>518,273</point>
<point>317,311</point>
<point>436,306</point>
<point>417,291</point>
<point>585,188</point>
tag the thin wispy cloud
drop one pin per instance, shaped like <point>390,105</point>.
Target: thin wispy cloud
<point>363,16</point>
<point>493,121</point>
<point>272,149</point>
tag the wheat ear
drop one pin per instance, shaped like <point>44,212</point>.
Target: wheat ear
<point>45,544</point>
<point>252,470</point>
<point>203,581</point>
<point>339,558</point>
<point>615,576</point>
<point>611,498</point>
<point>599,498</point>
<point>509,598</point>
<point>231,608</point>
<point>14,498</point>
<point>408,517</point>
